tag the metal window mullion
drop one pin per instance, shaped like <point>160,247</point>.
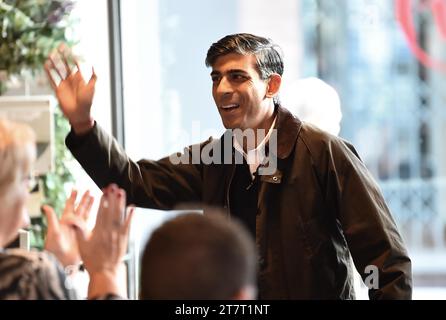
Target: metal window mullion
<point>116,77</point>
<point>117,117</point>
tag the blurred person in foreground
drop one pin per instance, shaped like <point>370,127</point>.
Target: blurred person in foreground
<point>199,257</point>
<point>28,274</point>
<point>32,275</point>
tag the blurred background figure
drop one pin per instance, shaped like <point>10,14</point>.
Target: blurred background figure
<point>315,101</point>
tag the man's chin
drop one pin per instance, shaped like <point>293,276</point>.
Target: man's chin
<point>230,125</point>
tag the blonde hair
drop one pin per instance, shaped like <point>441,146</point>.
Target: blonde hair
<point>17,152</point>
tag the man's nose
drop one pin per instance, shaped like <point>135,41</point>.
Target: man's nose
<point>224,86</point>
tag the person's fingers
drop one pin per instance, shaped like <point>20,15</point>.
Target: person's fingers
<point>62,49</point>
<point>80,232</point>
<point>121,204</point>
<point>102,215</point>
<point>93,78</point>
<point>110,212</point>
<point>76,62</point>
<point>53,222</point>
<point>83,204</point>
<point>49,75</point>
<point>87,210</point>
<point>74,221</point>
<point>53,63</point>
<point>128,219</point>
<point>78,75</point>
<point>116,207</point>
<point>84,208</point>
<point>69,204</point>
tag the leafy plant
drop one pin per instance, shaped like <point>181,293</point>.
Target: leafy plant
<point>29,30</point>
<point>54,183</point>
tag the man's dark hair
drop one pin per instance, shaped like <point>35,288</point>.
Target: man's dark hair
<point>195,256</point>
<point>268,54</point>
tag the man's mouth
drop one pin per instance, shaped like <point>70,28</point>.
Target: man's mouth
<point>230,107</point>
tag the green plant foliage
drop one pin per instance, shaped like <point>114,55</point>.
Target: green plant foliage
<point>54,183</point>
<point>29,30</point>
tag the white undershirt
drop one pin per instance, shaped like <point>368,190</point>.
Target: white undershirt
<point>255,156</point>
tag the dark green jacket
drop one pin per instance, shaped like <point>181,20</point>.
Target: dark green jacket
<point>319,206</point>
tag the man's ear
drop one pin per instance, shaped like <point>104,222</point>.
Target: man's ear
<point>274,83</point>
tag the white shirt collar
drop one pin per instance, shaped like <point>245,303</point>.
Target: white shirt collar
<point>255,156</point>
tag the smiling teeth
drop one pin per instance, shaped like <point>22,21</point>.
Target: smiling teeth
<point>229,106</point>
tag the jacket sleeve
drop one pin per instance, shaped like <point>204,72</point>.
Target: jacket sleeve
<point>158,184</point>
<point>369,229</point>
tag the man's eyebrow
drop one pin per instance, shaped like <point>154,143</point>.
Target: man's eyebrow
<point>229,71</point>
<point>237,71</point>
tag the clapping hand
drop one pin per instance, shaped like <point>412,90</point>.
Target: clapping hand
<point>60,237</point>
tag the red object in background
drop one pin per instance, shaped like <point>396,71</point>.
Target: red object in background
<point>404,15</point>
<point>439,10</point>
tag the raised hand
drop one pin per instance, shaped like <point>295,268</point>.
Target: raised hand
<point>75,96</point>
<point>61,238</point>
<point>103,249</point>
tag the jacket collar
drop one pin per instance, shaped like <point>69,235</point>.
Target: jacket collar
<point>288,127</point>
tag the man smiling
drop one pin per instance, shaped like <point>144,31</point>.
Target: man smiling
<point>243,98</point>
<point>316,208</point>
